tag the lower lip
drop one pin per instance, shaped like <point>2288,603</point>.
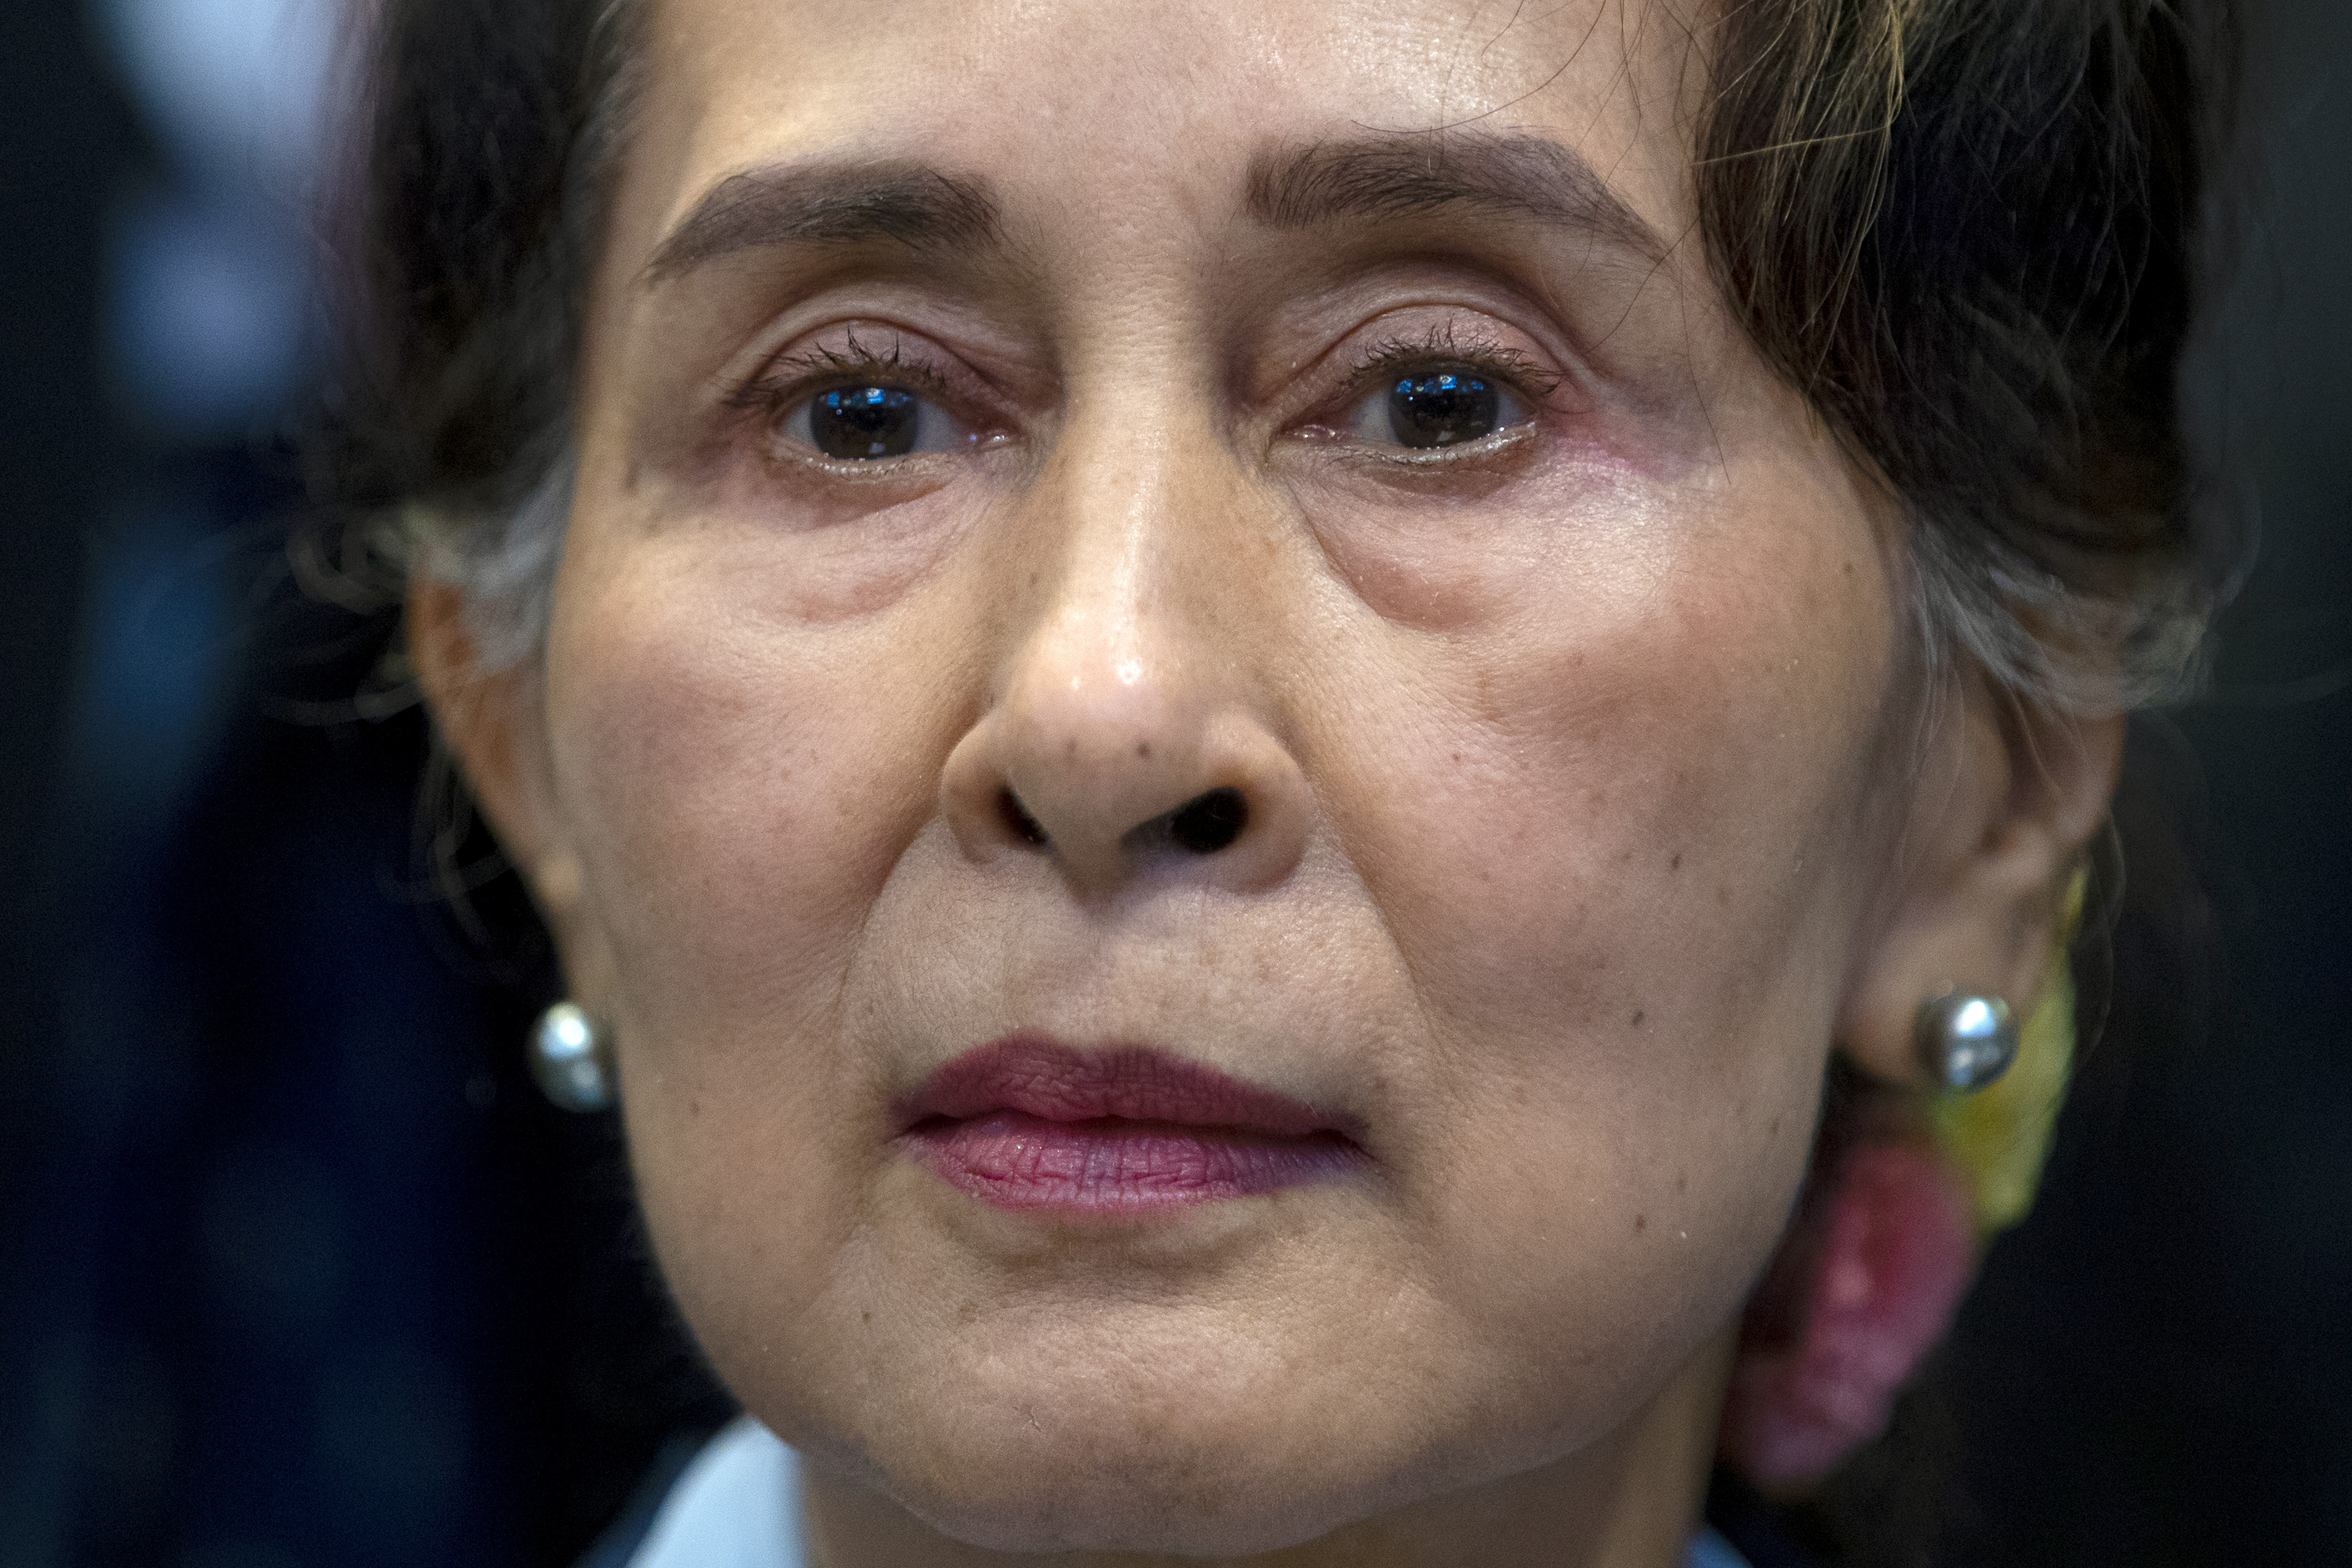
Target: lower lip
<point>1113,1166</point>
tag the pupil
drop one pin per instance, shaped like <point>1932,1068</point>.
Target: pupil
<point>861,422</point>
<point>1439,407</point>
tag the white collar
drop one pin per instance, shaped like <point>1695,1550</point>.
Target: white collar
<point>738,1506</point>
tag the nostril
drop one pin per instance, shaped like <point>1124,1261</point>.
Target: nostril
<point>1210,822</point>
<point>1016,818</point>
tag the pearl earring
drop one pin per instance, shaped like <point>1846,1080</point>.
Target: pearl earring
<point>571,1057</point>
<point>1965,1039</point>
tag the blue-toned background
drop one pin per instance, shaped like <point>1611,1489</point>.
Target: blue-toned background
<point>298,1271</point>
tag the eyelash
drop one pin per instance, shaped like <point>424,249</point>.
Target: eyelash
<point>1442,345</point>
<point>785,382</point>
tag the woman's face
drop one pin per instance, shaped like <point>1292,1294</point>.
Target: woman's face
<point>1004,426</point>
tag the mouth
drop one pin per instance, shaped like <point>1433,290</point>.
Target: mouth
<point>1026,1123</point>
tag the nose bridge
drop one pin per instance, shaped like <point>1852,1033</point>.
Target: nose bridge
<point>1107,699</point>
<point>1128,727</point>
<point>1141,480</point>
<point>1109,638</point>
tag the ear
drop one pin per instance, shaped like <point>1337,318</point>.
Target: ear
<point>2003,799</point>
<point>494,723</point>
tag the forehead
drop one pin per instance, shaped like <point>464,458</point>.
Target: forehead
<point>1105,111</point>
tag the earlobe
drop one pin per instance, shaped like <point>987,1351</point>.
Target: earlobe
<point>2005,798</point>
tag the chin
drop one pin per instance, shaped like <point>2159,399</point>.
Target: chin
<point>1162,1496</point>
<point>1195,1466</point>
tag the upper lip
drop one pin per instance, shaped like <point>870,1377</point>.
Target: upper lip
<point>1038,1076</point>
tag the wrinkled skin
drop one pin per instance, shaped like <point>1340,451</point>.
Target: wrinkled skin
<point>1592,791</point>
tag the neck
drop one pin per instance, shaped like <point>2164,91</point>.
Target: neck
<point>1630,1500</point>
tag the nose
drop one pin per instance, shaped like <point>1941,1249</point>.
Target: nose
<point>1113,779</point>
<point>1133,736</point>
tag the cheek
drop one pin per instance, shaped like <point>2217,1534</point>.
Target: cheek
<point>740,777</point>
<point>1635,759</point>
<point>1623,880</point>
<point>739,783</point>
<point>740,770</point>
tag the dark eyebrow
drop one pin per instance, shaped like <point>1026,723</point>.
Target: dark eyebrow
<point>911,205</point>
<point>1421,174</point>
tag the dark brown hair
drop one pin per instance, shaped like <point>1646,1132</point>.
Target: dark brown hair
<point>1967,230</point>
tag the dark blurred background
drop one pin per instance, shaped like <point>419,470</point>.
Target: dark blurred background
<point>299,1271</point>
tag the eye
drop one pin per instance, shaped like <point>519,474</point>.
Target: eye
<point>875,421</point>
<point>1436,405</point>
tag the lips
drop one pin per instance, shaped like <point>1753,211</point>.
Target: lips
<point>1027,1122</point>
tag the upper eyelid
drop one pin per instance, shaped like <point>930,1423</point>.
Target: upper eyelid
<point>798,373</point>
<point>1350,368</point>
<point>1521,369</point>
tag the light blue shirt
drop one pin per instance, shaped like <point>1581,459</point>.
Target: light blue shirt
<point>737,1505</point>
